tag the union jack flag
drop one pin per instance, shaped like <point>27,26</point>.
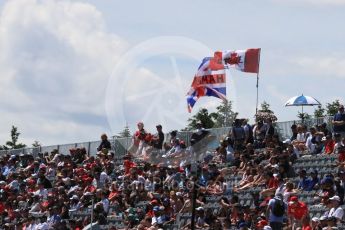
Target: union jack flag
<point>207,82</point>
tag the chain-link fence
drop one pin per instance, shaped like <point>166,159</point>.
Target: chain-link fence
<point>120,145</point>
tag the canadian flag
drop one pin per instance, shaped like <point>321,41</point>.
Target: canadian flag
<point>243,60</point>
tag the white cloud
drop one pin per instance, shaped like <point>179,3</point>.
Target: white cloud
<point>321,66</point>
<point>55,60</point>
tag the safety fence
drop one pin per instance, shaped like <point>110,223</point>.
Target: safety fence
<point>120,145</point>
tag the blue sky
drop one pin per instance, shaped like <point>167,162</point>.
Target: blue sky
<point>59,61</point>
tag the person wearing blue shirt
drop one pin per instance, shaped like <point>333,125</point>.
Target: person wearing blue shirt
<point>339,121</point>
<point>204,177</point>
<point>303,182</point>
<point>276,222</point>
<point>54,218</point>
<point>313,182</point>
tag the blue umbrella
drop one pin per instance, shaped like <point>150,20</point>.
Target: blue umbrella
<point>302,101</point>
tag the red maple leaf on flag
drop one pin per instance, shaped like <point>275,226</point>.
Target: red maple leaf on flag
<point>234,59</point>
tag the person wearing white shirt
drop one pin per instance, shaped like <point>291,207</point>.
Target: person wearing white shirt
<point>105,203</point>
<point>338,143</point>
<point>74,204</point>
<point>309,142</point>
<point>42,225</point>
<point>42,192</point>
<point>336,211</point>
<point>103,178</point>
<point>301,138</point>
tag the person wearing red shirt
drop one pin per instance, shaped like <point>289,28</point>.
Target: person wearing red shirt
<point>341,157</point>
<point>128,164</point>
<point>261,224</point>
<point>306,223</point>
<point>271,184</point>
<point>114,192</point>
<point>2,208</point>
<point>329,144</point>
<point>297,211</point>
<point>138,143</point>
<point>88,185</point>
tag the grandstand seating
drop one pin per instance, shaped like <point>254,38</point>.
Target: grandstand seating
<point>323,163</point>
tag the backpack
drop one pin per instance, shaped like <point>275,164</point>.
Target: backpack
<point>278,208</point>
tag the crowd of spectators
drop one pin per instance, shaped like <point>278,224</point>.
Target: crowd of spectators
<point>168,176</point>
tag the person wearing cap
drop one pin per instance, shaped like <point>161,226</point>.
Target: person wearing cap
<point>158,138</point>
<point>200,218</point>
<point>336,210</point>
<point>297,211</point>
<point>315,223</point>
<point>74,203</point>
<point>339,121</point>
<point>261,224</point>
<point>323,222</point>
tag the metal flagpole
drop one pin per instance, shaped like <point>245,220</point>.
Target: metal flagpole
<point>257,86</point>
<point>302,115</point>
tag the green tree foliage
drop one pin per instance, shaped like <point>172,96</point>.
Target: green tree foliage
<point>265,107</point>
<point>36,144</point>
<point>207,119</point>
<point>319,111</point>
<point>332,108</point>
<point>303,116</point>
<point>13,143</point>
<point>125,132</point>
<point>224,116</point>
<point>265,112</point>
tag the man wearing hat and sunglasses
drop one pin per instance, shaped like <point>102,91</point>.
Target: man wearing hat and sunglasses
<point>336,210</point>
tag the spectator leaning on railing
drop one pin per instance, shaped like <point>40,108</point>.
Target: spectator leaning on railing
<point>105,144</point>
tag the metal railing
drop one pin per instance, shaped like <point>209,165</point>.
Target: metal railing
<point>120,145</point>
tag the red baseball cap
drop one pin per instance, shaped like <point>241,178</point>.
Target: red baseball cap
<point>262,223</point>
<point>293,199</point>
